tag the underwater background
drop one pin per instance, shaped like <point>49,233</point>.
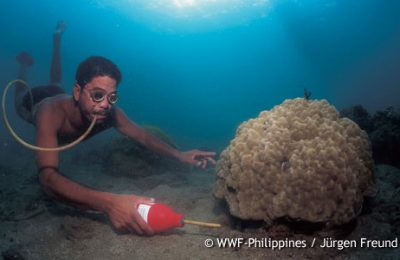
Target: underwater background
<point>197,69</point>
<point>194,70</point>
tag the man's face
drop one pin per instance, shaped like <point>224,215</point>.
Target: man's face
<point>97,97</point>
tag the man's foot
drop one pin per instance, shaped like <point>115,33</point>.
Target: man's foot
<point>60,27</point>
<point>24,59</point>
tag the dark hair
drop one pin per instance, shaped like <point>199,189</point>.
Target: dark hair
<point>96,66</point>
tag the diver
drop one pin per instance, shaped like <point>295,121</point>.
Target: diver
<point>60,118</point>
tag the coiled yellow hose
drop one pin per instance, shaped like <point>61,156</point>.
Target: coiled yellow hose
<point>30,146</point>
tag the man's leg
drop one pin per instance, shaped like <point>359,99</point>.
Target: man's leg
<point>55,71</point>
<point>25,61</point>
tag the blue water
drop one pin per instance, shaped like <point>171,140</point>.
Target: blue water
<point>199,68</point>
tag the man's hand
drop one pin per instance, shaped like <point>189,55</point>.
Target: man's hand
<point>198,158</point>
<point>124,216</point>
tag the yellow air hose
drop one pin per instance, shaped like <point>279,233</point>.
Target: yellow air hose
<point>33,147</point>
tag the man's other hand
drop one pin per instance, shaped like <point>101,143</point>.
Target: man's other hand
<point>198,158</point>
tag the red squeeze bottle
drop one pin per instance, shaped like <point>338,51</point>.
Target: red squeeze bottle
<point>160,217</point>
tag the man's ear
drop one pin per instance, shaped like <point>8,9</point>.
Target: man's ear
<point>76,92</point>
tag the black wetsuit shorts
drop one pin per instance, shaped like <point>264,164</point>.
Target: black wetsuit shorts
<point>26,106</point>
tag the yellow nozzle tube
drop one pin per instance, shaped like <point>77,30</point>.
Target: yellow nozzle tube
<point>203,224</point>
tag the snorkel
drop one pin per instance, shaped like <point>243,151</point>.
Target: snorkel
<point>26,144</point>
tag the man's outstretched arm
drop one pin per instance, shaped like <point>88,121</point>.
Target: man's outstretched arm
<point>119,208</point>
<point>127,127</point>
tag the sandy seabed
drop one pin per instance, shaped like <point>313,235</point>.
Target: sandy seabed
<point>35,227</point>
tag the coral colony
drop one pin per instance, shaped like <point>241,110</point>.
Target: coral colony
<point>308,164</point>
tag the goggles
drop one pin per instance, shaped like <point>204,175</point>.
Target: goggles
<point>98,96</point>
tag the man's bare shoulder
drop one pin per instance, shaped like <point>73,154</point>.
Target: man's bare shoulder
<point>53,108</point>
